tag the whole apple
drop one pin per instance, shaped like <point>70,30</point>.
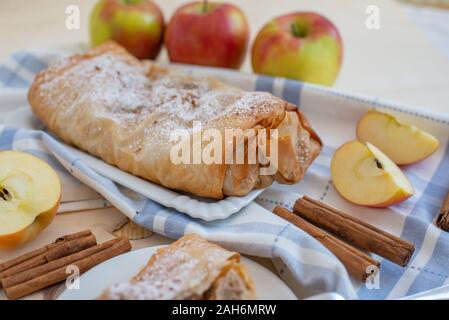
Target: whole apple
<point>207,33</point>
<point>138,25</point>
<point>302,45</point>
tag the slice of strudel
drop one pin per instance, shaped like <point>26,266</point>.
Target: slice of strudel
<point>190,268</point>
<point>133,114</point>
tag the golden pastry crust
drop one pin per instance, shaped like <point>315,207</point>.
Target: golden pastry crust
<point>123,111</point>
<point>190,268</point>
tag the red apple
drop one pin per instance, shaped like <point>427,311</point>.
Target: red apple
<point>207,33</point>
<point>302,45</point>
<point>138,25</point>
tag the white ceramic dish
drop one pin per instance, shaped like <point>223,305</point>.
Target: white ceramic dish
<point>125,266</point>
<point>196,207</point>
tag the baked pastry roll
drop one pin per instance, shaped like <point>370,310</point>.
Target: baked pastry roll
<point>123,111</point>
<point>190,268</point>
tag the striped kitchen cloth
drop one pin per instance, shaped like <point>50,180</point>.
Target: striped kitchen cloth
<point>305,265</point>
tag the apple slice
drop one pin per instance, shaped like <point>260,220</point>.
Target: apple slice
<point>403,143</point>
<point>364,175</point>
<point>30,192</point>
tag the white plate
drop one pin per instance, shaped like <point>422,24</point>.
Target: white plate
<point>196,207</point>
<point>125,266</point>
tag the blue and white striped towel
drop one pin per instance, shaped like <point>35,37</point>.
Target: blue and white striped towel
<point>305,265</point>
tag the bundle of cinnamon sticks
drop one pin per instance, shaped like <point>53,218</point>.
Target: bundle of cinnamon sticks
<point>345,235</point>
<point>48,265</point>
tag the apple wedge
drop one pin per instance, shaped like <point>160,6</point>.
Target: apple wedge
<point>364,175</point>
<point>30,192</point>
<point>402,143</point>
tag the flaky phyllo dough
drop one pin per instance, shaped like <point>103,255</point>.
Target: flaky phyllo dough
<point>190,268</point>
<point>124,111</point>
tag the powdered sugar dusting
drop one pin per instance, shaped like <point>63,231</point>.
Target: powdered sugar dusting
<point>127,92</point>
<point>162,282</point>
<point>174,274</point>
<point>107,80</point>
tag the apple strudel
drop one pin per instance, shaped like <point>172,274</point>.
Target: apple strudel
<point>190,268</point>
<point>124,111</point>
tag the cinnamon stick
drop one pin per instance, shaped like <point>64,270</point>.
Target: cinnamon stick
<point>42,281</point>
<point>29,255</point>
<point>443,217</point>
<point>356,262</point>
<point>53,251</point>
<point>53,265</point>
<point>73,236</point>
<point>355,231</point>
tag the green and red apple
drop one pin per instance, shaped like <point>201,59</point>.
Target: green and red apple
<point>30,192</point>
<point>207,33</point>
<point>364,175</point>
<point>137,25</point>
<point>402,143</point>
<point>303,45</point>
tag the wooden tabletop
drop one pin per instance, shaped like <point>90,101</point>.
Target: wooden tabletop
<point>394,62</point>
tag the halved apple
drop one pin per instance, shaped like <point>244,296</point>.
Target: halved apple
<point>364,175</point>
<point>30,193</point>
<point>402,143</point>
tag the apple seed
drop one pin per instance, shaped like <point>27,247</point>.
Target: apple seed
<point>378,164</point>
<point>4,194</point>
